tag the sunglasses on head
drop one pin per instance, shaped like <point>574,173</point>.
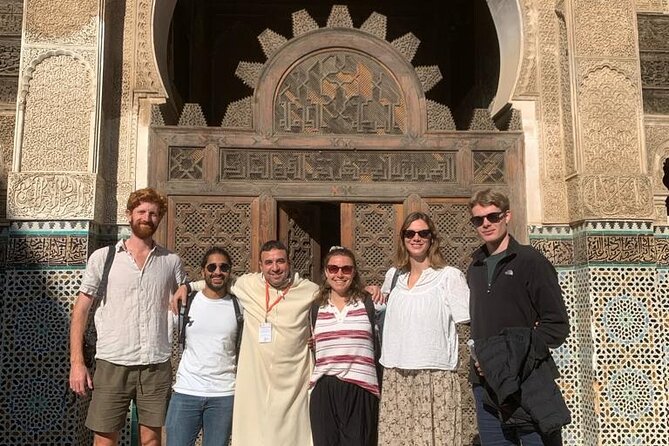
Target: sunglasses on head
<point>423,233</point>
<point>224,267</point>
<point>334,269</point>
<point>493,217</point>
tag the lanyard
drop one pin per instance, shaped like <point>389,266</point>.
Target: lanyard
<point>269,307</point>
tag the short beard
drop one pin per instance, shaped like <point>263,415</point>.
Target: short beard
<point>215,288</point>
<point>142,231</point>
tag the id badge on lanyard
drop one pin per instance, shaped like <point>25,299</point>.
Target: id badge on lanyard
<point>265,329</point>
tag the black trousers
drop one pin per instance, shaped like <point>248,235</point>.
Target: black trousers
<point>343,414</point>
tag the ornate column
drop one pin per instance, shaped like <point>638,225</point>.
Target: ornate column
<point>53,198</point>
<point>618,331</point>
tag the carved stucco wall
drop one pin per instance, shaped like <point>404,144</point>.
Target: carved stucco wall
<point>56,113</point>
<point>68,31</point>
<point>136,85</point>
<point>581,71</point>
<point>612,181</point>
<point>58,121</point>
<point>590,131</point>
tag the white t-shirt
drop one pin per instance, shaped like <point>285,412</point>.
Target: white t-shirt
<point>207,366</point>
<point>419,327</point>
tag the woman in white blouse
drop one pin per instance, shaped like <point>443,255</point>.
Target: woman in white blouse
<point>420,403</point>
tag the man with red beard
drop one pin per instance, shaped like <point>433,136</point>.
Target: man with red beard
<point>133,346</point>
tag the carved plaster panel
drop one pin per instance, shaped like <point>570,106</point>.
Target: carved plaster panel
<point>554,192</point>
<point>58,116</point>
<point>11,17</point>
<point>610,118</point>
<point>616,196</point>
<point>33,55</point>
<point>50,196</point>
<point>146,77</point>
<point>61,22</point>
<point>604,28</point>
<point>527,82</point>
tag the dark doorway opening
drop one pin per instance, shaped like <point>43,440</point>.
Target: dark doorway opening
<point>309,230</point>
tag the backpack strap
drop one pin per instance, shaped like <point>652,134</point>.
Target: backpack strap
<point>376,334</point>
<point>239,316</point>
<point>109,260</point>
<point>184,320</point>
<point>313,315</point>
<point>396,276</point>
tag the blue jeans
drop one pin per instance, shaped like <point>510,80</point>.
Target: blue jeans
<point>188,414</point>
<point>493,433</point>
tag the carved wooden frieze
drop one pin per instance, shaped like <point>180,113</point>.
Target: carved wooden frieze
<point>51,196</point>
<point>10,52</point>
<point>11,17</point>
<point>330,166</point>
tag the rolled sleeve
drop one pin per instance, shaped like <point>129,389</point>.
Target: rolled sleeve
<point>90,283</point>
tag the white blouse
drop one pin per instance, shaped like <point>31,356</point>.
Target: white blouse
<point>419,327</point>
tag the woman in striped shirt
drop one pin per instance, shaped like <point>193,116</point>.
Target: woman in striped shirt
<point>345,397</point>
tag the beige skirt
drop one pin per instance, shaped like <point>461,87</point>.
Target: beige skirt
<point>420,408</point>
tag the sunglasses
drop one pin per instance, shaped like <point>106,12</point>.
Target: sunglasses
<point>423,233</point>
<point>334,269</point>
<point>493,217</point>
<point>224,267</point>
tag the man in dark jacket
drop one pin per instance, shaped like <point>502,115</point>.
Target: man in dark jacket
<point>511,286</point>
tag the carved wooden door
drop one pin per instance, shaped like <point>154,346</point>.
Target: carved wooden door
<point>194,224</point>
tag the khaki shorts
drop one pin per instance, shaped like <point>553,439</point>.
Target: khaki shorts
<point>114,386</point>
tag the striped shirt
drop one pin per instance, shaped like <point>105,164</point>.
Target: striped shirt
<point>344,346</point>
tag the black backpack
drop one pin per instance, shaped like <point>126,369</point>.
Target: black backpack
<point>184,322</point>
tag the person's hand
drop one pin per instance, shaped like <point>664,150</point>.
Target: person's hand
<point>478,368</point>
<point>179,297</point>
<point>310,342</point>
<point>80,379</point>
<point>377,297</point>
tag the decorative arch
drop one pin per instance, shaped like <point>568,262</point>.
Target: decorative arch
<point>371,52</point>
<point>507,16</point>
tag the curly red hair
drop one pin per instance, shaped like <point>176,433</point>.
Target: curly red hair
<point>147,195</point>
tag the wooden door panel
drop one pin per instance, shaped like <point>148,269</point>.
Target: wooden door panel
<point>197,223</point>
<point>371,229</point>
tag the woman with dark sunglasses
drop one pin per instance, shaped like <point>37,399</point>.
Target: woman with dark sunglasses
<point>426,298</point>
<point>345,389</point>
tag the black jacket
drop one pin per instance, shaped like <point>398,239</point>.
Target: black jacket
<point>520,380</point>
<point>524,293</point>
